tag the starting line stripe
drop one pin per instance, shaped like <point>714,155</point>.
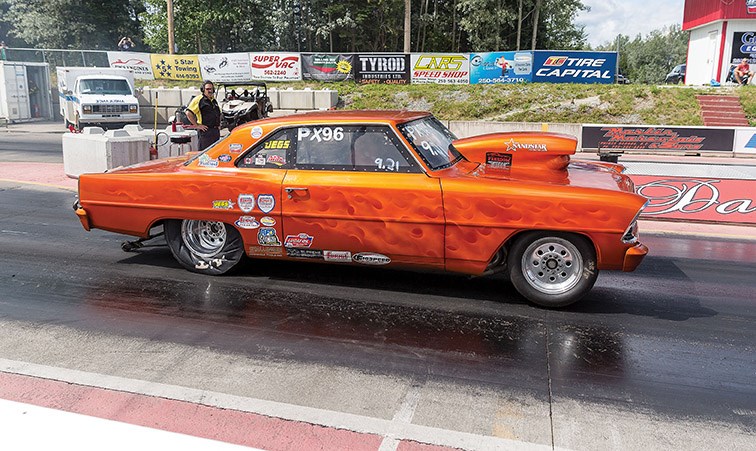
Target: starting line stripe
<point>392,429</point>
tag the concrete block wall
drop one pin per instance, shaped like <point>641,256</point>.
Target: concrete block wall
<point>287,101</point>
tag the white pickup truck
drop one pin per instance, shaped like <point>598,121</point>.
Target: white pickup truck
<point>99,96</point>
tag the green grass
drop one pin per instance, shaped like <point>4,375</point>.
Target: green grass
<point>536,102</point>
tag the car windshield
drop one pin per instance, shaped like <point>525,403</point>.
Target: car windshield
<point>432,141</point>
<point>111,87</point>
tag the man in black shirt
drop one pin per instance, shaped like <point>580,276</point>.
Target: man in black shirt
<point>205,114</point>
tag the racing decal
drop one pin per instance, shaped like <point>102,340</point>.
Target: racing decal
<point>304,253</point>
<point>137,62</point>
<point>300,240</point>
<point>662,138</point>
<point>574,67</point>
<point>751,6</point>
<point>513,146</point>
<point>495,160</point>
<point>256,132</point>
<point>265,251</point>
<point>370,258</point>
<point>501,67</point>
<point>278,160</point>
<point>445,68</point>
<point>223,204</point>
<point>266,202</point>
<point>267,236</point>
<point>175,67</point>
<point>275,66</point>
<point>235,147</point>
<point>337,256</point>
<point>320,134</point>
<point>277,144</point>
<point>390,68</point>
<point>698,199</point>
<point>225,67</point>
<point>247,222</point>
<point>327,67</point>
<point>246,202</point>
<point>267,221</point>
<point>260,160</point>
<point>207,162</point>
<point>745,141</point>
<point>225,158</point>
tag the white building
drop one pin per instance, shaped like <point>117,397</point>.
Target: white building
<point>721,34</point>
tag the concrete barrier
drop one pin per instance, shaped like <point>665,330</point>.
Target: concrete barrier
<point>166,139</point>
<point>325,99</point>
<point>94,150</point>
<point>290,99</point>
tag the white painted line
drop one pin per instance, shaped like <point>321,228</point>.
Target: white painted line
<point>327,418</point>
<point>26,426</point>
<point>402,416</point>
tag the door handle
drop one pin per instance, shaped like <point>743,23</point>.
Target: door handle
<point>290,191</point>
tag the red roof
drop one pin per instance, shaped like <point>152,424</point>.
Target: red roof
<point>702,12</point>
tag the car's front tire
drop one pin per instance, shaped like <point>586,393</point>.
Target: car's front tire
<point>552,269</point>
<point>206,247</point>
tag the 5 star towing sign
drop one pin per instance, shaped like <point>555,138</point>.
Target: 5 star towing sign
<point>176,67</point>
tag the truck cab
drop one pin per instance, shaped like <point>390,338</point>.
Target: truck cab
<point>97,97</point>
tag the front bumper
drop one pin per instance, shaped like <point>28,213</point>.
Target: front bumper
<point>633,257</point>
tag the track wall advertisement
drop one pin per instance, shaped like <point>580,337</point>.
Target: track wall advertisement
<point>275,66</point>
<point>388,68</point>
<point>501,67</point>
<point>327,66</point>
<point>554,66</point>
<point>442,68</point>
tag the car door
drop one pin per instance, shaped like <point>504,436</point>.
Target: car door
<point>355,193</point>
<point>261,171</point>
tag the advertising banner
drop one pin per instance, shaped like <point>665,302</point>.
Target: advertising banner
<point>138,62</point>
<point>689,199</point>
<point>175,67</point>
<point>745,140</point>
<point>554,66</point>
<point>743,46</point>
<point>225,67</point>
<point>390,68</point>
<point>443,68</point>
<point>276,66</point>
<point>327,67</point>
<point>657,138</point>
<point>501,67</point>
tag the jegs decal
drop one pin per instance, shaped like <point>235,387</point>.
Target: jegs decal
<point>278,144</point>
<point>227,204</point>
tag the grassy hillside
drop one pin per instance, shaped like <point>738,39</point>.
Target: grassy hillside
<point>538,102</point>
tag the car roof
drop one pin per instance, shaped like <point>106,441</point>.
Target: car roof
<point>384,116</point>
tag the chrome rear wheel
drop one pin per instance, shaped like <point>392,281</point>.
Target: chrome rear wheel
<point>203,238</point>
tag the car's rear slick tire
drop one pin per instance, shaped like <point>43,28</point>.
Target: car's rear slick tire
<point>552,269</point>
<point>205,247</point>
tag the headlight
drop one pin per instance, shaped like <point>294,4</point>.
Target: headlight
<point>133,108</point>
<point>631,234</point>
<point>87,108</point>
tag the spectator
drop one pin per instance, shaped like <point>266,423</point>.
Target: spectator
<point>742,70</point>
<point>125,44</point>
<point>2,50</point>
<point>205,114</point>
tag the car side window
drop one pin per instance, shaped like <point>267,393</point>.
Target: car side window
<point>359,148</point>
<point>272,153</point>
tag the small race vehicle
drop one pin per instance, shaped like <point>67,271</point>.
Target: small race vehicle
<point>244,102</point>
<point>382,188</point>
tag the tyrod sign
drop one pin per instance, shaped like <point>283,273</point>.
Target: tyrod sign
<point>393,68</point>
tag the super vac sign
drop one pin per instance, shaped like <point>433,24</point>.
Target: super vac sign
<point>574,67</point>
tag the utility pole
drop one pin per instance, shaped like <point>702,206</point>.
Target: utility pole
<point>536,12</point>
<point>407,21</point>
<point>171,40</point>
<point>519,26</point>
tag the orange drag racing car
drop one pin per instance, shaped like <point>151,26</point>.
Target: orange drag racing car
<point>382,188</point>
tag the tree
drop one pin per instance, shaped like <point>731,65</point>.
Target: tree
<point>80,24</point>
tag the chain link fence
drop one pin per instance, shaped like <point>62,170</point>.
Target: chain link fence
<point>58,57</point>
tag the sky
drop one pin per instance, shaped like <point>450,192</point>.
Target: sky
<point>608,18</point>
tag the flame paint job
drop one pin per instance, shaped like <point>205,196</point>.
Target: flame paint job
<point>454,219</point>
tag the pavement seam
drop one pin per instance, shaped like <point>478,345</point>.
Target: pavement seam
<point>333,419</point>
